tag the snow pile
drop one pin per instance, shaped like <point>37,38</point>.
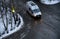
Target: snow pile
<point>2,28</point>
<point>49,2</point>
<point>9,24</point>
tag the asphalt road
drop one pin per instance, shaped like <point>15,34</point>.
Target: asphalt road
<point>46,28</point>
<point>49,28</point>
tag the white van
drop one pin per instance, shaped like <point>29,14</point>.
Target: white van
<point>33,9</point>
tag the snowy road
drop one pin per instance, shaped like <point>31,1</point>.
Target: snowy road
<point>49,28</point>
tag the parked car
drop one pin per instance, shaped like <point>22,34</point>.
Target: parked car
<point>33,9</point>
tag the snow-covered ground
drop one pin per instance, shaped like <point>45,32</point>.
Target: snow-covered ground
<point>7,20</point>
<point>50,2</point>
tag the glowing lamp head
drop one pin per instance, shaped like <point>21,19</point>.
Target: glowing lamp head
<point>13,10</point>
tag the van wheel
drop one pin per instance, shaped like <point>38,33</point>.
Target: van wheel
<point>27,11</point>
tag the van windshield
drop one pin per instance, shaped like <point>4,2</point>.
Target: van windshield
<point>33,4</point>
<point>36,11</point>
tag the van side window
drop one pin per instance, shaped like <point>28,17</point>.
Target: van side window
<point>30,10</point>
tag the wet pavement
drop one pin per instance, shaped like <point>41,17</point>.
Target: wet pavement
<point>49,28</point>
<point>46,28</point>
